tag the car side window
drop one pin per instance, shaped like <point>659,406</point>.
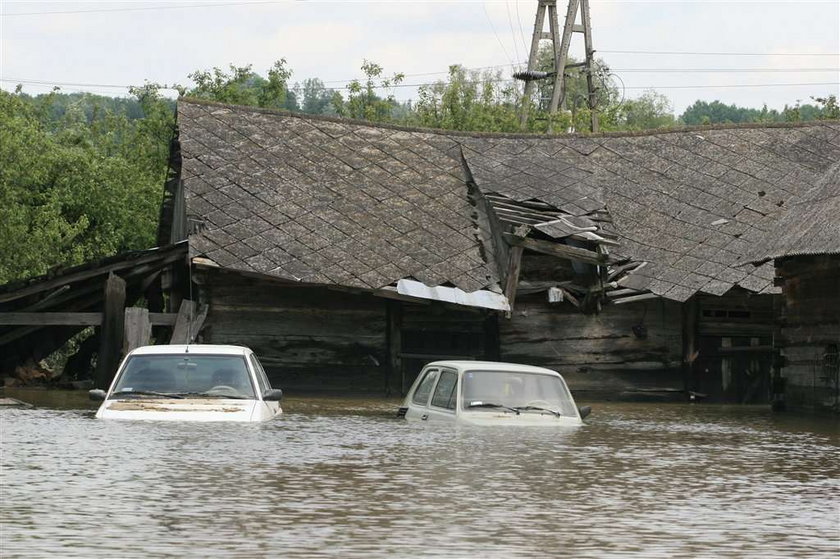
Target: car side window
<point>421,395</point>
<point>444,396</point>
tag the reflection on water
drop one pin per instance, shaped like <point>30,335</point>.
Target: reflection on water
<point>344,478</point>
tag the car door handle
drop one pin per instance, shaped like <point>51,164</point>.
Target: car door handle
<point>424,417</point>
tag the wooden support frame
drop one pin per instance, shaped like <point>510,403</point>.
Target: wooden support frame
<point>559,250</point>
<point>73,318</point>
<point>512,278</point>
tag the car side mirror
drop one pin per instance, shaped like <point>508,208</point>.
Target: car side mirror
<point>584,411</point>
<point>272,395</point>
<point>97,394</point>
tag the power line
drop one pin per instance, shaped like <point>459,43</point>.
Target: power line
<point>512,32</point>
<point>493,28</point>
<point>405,85</point>
<point>140,8</point>
<point>746,85</point>
<point>720,70</point>
<point>655,52</point>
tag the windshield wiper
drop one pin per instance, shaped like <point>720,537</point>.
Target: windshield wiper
<point>491,405</point>
<point>537,408</point>
<point>206,395</point>
<point>146,393</point>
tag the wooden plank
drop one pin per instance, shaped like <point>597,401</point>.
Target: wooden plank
<point>642,297</point>
<point>622,292</point>
<point>111,336</point>
<point>162,318</point>
<point>512,278</point>
<point>188,322</point>
<point>559,250</point>
<point>51,318</point>
<point>71,318</point>
<point>734,329</point>
<point>138,328</point>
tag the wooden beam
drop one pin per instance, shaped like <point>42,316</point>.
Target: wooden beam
<point>512,278</point>
<point>558,250</point>
<point>634,298</point>
<point>71,319</point>
<point>189,322</point>
<point>622,292</point>
<point>133,263</point>
<point>111,338</point>
<point>51,318</point>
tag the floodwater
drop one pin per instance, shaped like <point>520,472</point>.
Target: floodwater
<point>344,478</point>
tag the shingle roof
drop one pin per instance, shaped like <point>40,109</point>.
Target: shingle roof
<point>692,203</point>
<point>322,201</point>
<point>328,201</point>
<point>811,226</point>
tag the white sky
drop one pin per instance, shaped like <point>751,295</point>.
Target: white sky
<point>125,43</point>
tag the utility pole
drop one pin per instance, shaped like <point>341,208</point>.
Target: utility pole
<point>561,46</point>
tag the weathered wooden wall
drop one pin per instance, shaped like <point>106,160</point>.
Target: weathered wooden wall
<point>320,339</point>
<point>599,354</point>
<point>810,330</point>
<point>308,339</point>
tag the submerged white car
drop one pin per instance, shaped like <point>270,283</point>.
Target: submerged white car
<point>190,383</point>
<point>489,393</point>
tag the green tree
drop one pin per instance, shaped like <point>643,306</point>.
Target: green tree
<point>242,86</point>
<point>468,100</point>
<point>649,111</point>
<point>363,102</point>
<point>72,190</point>
<point>313,97</point>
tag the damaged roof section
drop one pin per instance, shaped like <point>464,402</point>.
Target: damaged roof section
<point>329,202</point>
<point>690,203</point>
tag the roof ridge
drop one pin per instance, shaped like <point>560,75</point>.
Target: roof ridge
<point>512,135</point>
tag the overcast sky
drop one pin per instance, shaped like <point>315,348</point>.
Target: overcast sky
<point>124,43</point>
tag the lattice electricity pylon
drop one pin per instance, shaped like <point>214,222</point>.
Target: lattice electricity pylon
<point>561,55</point>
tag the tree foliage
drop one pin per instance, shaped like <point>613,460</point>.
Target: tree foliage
<point>363,102</point>
<point>71,189</point>
<point>242,86</point>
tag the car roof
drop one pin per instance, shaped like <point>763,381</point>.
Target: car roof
<point>195,349</point>
<point>493,366</point>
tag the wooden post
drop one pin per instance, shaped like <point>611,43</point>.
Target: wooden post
<point>138,328</point>
<point>111,336</point>
<point>689,335</point>
<point>394,340</point>
<point>512,280</point>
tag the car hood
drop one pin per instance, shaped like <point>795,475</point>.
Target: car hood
<point>525,418</point>
<point>177,409</point>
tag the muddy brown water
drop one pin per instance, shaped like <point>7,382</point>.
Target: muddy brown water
<point>344,478</point>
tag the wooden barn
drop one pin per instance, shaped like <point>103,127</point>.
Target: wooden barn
<point>348,254</point>
<point>806,250</point>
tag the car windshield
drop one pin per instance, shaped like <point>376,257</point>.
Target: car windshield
<point>490,390</point>
<point>186,375</point>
